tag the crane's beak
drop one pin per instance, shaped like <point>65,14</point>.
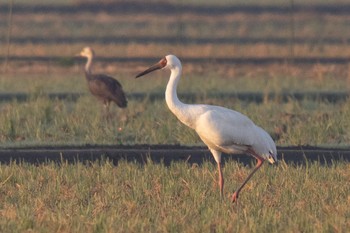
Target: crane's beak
<point>271,159</point>
<point>161,64</point>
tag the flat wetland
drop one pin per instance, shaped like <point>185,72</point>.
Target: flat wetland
<point>103,196</point>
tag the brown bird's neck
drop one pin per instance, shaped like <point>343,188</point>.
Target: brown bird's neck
<point>88,66</point>
<point>88,76</point>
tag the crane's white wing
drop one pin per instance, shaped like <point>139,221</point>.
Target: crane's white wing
<point>227,130</point>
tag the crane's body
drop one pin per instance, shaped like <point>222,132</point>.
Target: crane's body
<point>222,130</point>
<point>103,87</point>
<point>106,89</point>
<point>215,125</point>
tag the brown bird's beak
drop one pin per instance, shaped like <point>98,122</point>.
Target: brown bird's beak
<point>161,64</point>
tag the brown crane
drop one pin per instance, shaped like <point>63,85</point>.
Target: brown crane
<point>103,87</point>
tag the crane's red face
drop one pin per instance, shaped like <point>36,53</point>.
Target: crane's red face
<point>161,64</point>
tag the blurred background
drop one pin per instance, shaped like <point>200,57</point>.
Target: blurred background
<point>43,35</point>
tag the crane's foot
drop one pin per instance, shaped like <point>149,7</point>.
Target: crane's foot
<point>234,197</point>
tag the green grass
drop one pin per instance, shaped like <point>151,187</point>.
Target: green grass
<point>213,78</point>
<point>43,121</point>
<point>128,197</point>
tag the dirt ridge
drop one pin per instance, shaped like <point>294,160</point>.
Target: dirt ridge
<point>161,153</point>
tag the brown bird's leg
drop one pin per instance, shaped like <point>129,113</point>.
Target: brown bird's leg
<point>260,161</point>
<point>107,114</point>
<point>221,181</point>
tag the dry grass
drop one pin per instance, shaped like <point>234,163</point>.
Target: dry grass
<point>132,50</point>
<point>179,26</point>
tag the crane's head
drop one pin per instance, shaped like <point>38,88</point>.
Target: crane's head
<point>272,156</point>
<point>169,61</point>
<point>269,148</point>
<point>86,52</point>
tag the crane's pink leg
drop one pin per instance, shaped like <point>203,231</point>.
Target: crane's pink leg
<point>217,157</point>
<point>221,180</point>
<point>258,165</point>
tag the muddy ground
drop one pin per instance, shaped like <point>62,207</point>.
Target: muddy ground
<point>161,153</point>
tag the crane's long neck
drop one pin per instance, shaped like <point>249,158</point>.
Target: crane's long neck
<point>88,66</point>
<point>180,110</point>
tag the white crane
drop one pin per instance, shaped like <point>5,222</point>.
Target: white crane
<point>221,129</point>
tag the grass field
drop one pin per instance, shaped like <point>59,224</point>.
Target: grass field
<point>44,121</point>
<point>130,197</point>
<point>188,26</point>
<point>102,197</point>
<point>312,28</point>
